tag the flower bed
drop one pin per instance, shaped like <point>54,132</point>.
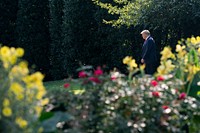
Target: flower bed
<point>113,102</point>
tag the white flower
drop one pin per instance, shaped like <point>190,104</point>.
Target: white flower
<point>198,83</point>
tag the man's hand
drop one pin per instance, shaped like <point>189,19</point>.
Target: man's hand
<point>142,60</point>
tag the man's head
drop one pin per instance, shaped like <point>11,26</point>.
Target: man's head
<point>145,34</point>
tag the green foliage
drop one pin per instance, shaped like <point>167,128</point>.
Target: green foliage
<point>169,20</point>
<point>7,22</point>
<point>56,48</point>
<point>32,32</point>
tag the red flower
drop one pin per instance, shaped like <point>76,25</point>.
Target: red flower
<point>154,83</point>
<point>98,72</point>
<point>160,78</point>
<point>82,74</point>
<point>165,107</point>
<point>155,94</point>
<point>95,80</point>
<point>182,96</point>
<point>67,85</point>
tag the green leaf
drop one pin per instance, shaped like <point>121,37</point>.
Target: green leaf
<point>45,115</point>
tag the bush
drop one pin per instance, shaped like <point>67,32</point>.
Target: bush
<point>113,102</point>
<point>21,93</point>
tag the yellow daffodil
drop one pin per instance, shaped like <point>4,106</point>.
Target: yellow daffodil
<point>127,59</point>
<point>165,67</point>
<point>161,70</point>
<point>132,64</point>
<point>142,67</point>
<point>166,54</point>
<point>181,51</point>
<point>194,40</point>
<point>179,48</point>
<point>169,65</point>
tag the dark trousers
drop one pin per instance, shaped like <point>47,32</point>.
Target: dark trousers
<point>150,68</point>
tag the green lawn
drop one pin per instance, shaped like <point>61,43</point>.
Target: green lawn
<point>50,85</point>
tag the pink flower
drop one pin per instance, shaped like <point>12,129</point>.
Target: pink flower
<point>155,94</point>
<point>95,80</point>
<point>82,74</point>
<point>113,78</point>
<point>67,85</point>
<point>182,96</point>
<point>165,107</point>
<point>160,78</point>
<point>98,71</point>
<point>154,83</point>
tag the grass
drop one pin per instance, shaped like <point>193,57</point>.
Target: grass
<point>58,86</point>
<point>50,85</point>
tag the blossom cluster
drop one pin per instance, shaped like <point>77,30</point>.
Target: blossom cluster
<point>21,93</point>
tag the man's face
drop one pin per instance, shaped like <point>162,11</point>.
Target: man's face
<point>144,36</point>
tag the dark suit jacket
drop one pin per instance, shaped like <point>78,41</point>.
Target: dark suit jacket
<point>149,51</point>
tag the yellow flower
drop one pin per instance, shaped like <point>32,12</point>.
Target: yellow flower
<point>44,101</point>
<point>19,71</point>
<point>5,51</point>
<point>36,77</point>
<point>6,102</point>
<point>18,90</point>
<point>199,50</point>
<point>7,111</point>
<point>127,59</point>
<point>166,53</point>
<point>165,67</point>
<point>21,122</point>
<point>169,65</point>
<point>161,70</point>
<point>193,69</point>
<point>179,48</point>
<point>12,59</point>
<point>6,65</point>
<point>142,67</point>
<point>38,110</point>
<point>23,64</point>
<point>132,64</point>
<point>40,94</point>
<point>195,40</point>
<point>20,52</point>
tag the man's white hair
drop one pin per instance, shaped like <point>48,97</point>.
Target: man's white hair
<point>146,32</point>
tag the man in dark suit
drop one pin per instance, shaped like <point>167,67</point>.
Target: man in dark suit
<point>149,56</point>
